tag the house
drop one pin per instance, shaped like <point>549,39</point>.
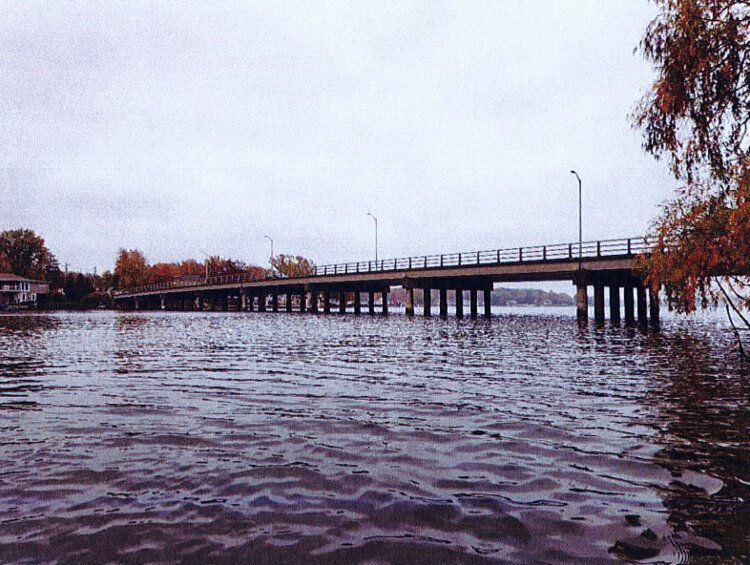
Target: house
<point>16,291</point>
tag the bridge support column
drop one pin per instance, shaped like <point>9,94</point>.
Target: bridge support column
<point>243,301</point>
<point>641,296</point>
<point>314,301</point>
<point>198,302</point>
<point>303,301</point>
<point>443,303</point>
<point>614,304</point>
<point>409,301</point>
<point>459,302</point>
<point>385,302</point>
<point>136,304</point>
<point>488,302</point>
<point>342,302</point>
<point>262,296</point>
<point>599,303</point>
<point>162,302</point>
<point>427,301</point>
<point>357,303</point>
<point>250,302</point>
<point>654,308</point>
<point>371,302</point>
<point>474,299</point>
<point>582,302</point>
<point>274,302</point>
<point>629,309</point>
<point>326,301</point>
<point>288,301</point>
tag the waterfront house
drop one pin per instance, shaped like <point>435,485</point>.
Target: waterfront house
<point>20,291</point>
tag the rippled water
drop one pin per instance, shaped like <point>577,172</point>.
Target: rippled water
<point>237,437</point>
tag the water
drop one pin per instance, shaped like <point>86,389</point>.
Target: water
<point>236,437</point>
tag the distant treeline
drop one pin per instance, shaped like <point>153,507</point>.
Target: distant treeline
<point>500,297</point>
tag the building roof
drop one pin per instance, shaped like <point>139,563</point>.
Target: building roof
<point>10,277</point>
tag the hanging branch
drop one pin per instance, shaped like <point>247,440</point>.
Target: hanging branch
<point>731,321</point>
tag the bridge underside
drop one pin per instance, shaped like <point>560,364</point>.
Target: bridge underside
<point>343,292</point>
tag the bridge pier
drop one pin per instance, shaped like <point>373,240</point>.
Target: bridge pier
<point>629,305</point>
<point>488,302</point>
<point>274,302</point>
<point>654,308</point>
<point>599,303</point>
<point>302,301</point>
<point>582,302</point>
<point>443,302</point>
<point>614,304</point>
<point>371,302</point>
<point>641,299</point>
<point>459,302</point>
<point>342,302</point>
<point>427,301</point>
<point>357,302</point>
<point>314,301</point>
<point>385,302</point>
<point>473,298</point>
<point>410,301</point>
<point>262,299</point>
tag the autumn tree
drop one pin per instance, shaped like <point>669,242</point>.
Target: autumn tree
<point>292,266</point>
<point>131,268</point>
<point>696,115</point>
<point>24,253</point>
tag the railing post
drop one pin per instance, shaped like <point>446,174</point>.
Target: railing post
<point>441,260</point>
<point>410,262</point>
<point>459,259</point>
<point>477,257</point>
<point>598,248</point>
<point>570,251</point>
<point>346,268</point>
<point>544,253</point>
<point>357,266</point>
<point>630,252</point>
<point>520,254</point>
<point>498,255</point>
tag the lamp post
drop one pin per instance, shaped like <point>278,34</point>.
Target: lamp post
<point>270,261</point>
<point>205,263</point>
<point>376,236</point>
<point>580,220</point>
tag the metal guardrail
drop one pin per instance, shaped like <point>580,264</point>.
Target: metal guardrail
<point>537,253</point>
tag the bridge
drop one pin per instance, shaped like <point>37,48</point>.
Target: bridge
<point>606,264</point>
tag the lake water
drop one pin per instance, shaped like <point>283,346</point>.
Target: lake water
<point>288,438</point>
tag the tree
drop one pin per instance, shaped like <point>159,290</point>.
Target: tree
<point>25,253</point>
<point>291,266</point>
<point>77,286</point>
<point>131,269</point>
<point>696,114</point>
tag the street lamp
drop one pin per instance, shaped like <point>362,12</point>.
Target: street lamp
<point>205,262</point>
<point>271,259</point>
<point>376,235</point>
<point>580,220</point>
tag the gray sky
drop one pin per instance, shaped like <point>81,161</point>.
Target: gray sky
<point>188,126</point>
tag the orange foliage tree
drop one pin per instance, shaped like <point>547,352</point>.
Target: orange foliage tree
<point>132,269</point>
<point>292,266</point>
<point>696,114</point>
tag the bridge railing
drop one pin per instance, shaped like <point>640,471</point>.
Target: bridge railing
<point>537,253</point>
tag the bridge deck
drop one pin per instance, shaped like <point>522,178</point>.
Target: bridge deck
<point>608,259</point>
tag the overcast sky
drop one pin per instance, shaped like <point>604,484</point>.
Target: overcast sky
<point>189,127</point>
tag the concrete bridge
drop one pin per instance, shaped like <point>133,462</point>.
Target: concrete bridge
<point>610,264</point>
